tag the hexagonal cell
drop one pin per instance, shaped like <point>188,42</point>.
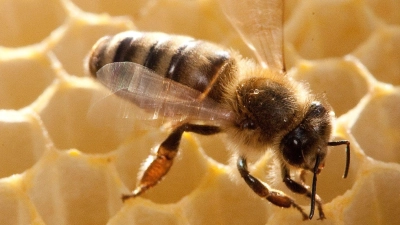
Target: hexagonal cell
<point>75,44</point>
<point>66,118</point>
<point>16,207</point>
<point>342,81</point>
<point>78,189</point>
<point>375,196</point>
<point>381,54</point>
<point>224,201</point>
<point>321,29</point>
<point>377,128</point>
<point>23,78</point>
<point>26,22</point>
<point>22,141</point>
<point>388,10</point>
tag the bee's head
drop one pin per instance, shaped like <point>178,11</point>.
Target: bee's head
<point>307,143</point>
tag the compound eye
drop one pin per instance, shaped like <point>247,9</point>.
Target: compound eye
<point>292,148</point>
<point>248,124</point>
<point>295,144</point>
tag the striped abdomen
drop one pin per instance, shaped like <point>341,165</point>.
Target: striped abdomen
<point>198,64</point>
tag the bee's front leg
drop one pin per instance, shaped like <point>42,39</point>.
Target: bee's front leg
<point>162,162</point>
<point>301,189</point>
<point>276,197</point>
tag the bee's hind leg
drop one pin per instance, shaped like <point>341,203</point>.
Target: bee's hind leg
<point>162,161</point>
<point>276,197</point>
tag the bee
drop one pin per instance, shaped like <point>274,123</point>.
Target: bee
<point>207,89</point>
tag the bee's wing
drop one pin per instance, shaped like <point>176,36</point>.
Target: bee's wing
<point>161,98</point>
<point>260,24</point>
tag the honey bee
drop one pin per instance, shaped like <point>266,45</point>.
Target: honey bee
<point>207,89</point>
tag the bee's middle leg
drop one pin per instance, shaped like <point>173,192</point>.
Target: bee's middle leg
<point>276,197</point>
<point>162,161</point>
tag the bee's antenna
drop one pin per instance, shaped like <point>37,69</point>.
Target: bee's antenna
<point>314,188</point>
<point>347,143</point>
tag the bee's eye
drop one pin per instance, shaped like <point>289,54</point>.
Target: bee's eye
<point>292,147</point>
<point>295,144</point>
<point>248,124</point>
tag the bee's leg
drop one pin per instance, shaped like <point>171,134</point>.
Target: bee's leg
<point>276,197</point>
<point>301,189</point>
<point>162,161</point>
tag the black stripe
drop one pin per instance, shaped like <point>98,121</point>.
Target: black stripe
<point>133,49</point>
<point>153,57</point>
<point>174,69</point>
<point>123,50</point>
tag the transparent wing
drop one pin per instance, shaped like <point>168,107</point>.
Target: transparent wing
<point>260,24</point>
<point>159,97</point>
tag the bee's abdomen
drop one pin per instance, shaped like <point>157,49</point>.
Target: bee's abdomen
<point>197,64</point>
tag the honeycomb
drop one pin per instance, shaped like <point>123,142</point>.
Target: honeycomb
<point>60,167</point>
